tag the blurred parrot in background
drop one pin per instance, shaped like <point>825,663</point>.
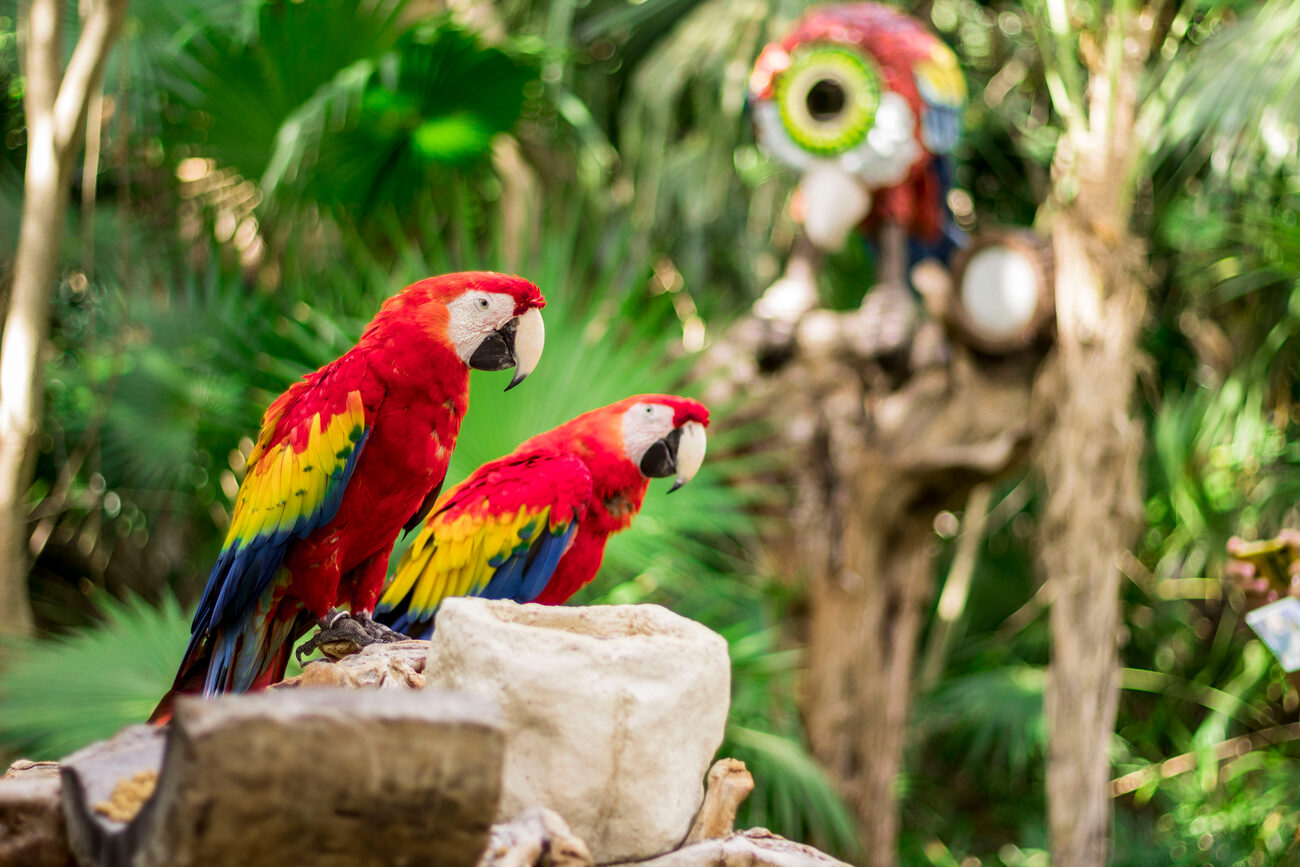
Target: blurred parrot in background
<point>865,102</point>
<point>347,457</point>
<point>532,526</point>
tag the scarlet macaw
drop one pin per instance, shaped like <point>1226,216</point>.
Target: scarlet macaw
<point>346,458</point>
<point>532,526</point>
<point>865,103</point>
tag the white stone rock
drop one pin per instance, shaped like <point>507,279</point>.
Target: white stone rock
<point>757,847</point>
<point>613,712</point>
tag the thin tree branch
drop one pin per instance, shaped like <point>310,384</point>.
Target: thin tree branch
<point>1181,764</point>
<point>44,35</point>
<point>956,589</point>
<point>84,69</point>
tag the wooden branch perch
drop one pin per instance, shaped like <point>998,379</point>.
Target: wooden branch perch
<point>729,784</point>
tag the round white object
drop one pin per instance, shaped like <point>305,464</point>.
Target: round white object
<point>999,291</point>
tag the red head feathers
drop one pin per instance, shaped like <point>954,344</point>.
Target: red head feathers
<point>532,526</point>
<point>347,457</point>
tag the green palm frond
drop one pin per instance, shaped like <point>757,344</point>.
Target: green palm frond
<point>60,694</point>
<point>1236,108</point>
<point>360,116</point>
<point>993,716</point>
<point>262,98</point>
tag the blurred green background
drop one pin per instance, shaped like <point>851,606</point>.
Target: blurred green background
<point>269,171</point>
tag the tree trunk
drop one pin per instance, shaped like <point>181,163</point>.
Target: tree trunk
<point>871,460</point>
<point>864,624</point>
<point>1090,460</point>
<point>55,103</point>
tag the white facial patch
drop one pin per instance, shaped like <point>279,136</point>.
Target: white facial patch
<point>771,133</point>
<point>644,424</point>
<point>890,150</point>
<point>474,315</point>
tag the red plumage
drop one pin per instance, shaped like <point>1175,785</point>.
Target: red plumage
<point>532,526</point>
<point>345,458</point>
<point>913,63</point>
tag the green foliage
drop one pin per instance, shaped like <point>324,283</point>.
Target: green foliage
<point>60,694</point>
<point>791,791</point>
<point>364,130</point>
<point>1233,109</point>
<point>362,117</point>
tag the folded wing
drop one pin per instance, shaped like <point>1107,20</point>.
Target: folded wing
<point>499,534</point>
<point>309,445</point>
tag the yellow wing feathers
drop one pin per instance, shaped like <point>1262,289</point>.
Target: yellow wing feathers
<point>457,556</point>
<point>291,479</point>
<point>940,77</point>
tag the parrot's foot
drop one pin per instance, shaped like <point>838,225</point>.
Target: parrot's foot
<point>343,634</point>
<point>887,322</point>
<point>340,635</point>
<point>378,631</point>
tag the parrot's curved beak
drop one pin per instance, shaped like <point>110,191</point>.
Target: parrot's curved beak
<point>530,337</point>
<point>681,453</point>
<point>834,202</point>
<point>516,344</point>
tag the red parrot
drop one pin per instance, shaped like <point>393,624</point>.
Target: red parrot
<point>347,457</point>
<point>532,526</point>
<point>865,103</point>
<point>862,94</point>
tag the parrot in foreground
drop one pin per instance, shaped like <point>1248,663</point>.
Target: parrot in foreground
<point>532,526</point>
<point>347,457</point>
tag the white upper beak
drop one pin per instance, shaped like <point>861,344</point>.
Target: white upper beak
<point>530,337</point>
<point>690,453</point>
<point>834,202</point>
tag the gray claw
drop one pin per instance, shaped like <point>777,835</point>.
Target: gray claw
<point>379,632</point>
<point>340,635</point>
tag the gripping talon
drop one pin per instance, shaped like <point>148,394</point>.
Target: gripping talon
<point>378,631</point>
<point>340,635</point>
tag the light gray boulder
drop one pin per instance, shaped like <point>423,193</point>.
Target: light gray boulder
<point>328,777</point>
<point>612,713</point>
<point>32,832</point>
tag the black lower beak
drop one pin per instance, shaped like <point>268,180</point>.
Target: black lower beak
<point>660,460</point>
<point>497,351</point>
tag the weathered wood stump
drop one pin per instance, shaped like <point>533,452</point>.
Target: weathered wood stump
<point>326,776</point>
<point>873,448</point>
<point>32,832</point>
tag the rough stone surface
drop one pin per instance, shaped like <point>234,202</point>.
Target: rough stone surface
<point>327,777</point>
<point>538,838</point>
<point>612,713</point>
<point>757,847</point>
<point>32,832</point>
<point>399,665</point>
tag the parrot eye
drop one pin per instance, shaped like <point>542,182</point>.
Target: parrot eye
<point>825,100</point>
<point>828,98</point>
<point>649,410</point>
<point>483,303</point>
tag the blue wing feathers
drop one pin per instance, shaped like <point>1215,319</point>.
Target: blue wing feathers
<point>543,560</point>
<point>521,577</point>
<point>242,574</point>
<point>506,581</point>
